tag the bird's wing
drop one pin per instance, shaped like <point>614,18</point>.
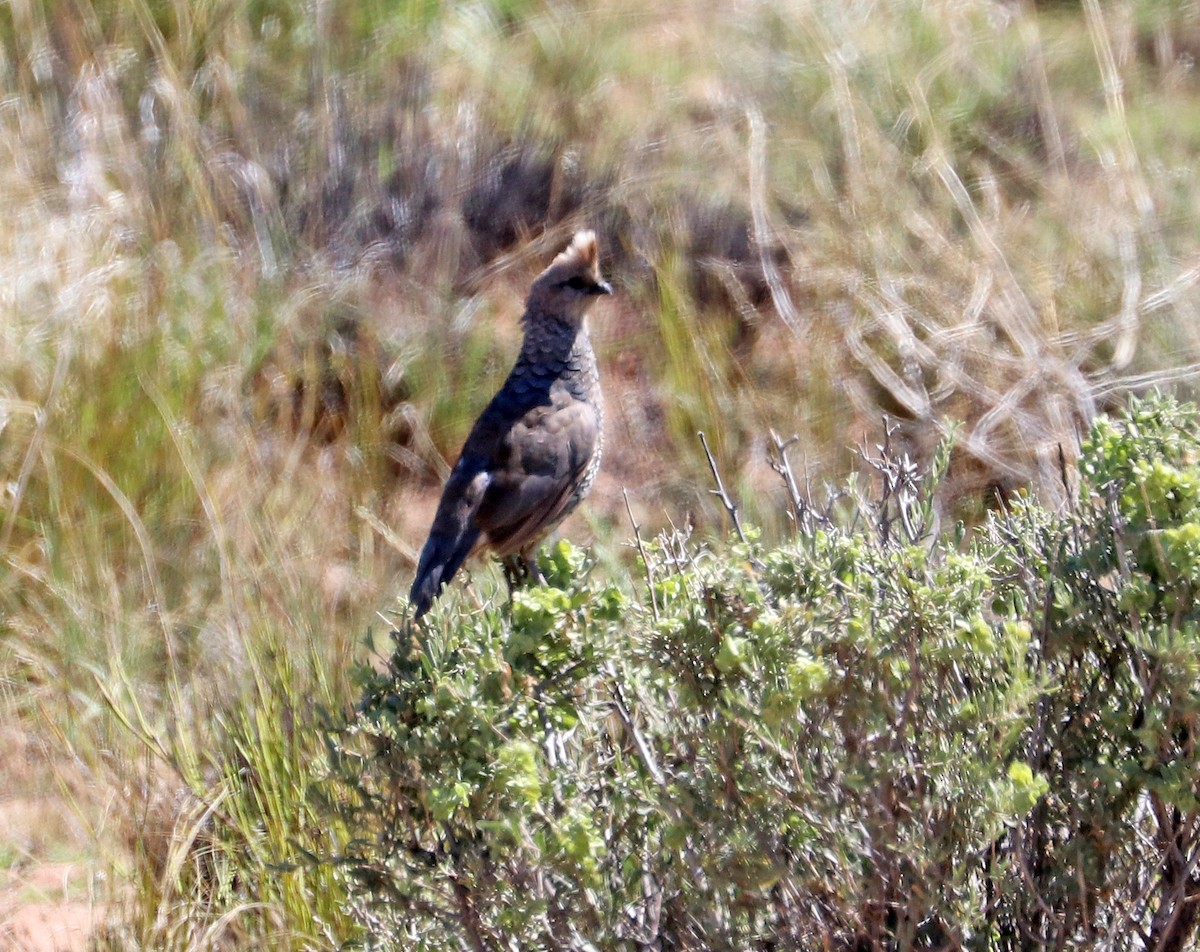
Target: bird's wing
<point>454,532</point>
<point>536,476</point>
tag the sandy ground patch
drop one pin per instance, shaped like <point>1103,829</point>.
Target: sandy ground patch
<point>38,913</point>
<point>45,904</point>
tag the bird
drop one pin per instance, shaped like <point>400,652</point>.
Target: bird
<point>533,453</point>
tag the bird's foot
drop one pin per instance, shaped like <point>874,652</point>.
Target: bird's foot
<point>533,571</point>
<point>521,570</point>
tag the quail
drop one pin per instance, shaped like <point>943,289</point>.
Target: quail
<point>534,451</point>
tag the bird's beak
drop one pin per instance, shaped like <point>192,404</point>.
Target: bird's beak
<point>602,287</point>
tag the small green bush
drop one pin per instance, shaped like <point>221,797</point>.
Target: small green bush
<point>873,736</point>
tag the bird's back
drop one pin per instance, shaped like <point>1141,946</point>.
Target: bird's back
<point>543,436</point>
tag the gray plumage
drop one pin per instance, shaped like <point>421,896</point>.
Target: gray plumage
<point>534,451</point>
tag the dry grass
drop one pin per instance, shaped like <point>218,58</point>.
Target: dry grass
<point>260,267</point>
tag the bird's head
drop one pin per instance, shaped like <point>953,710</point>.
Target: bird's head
<point>568,287</point>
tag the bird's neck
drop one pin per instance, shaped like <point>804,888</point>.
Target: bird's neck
<point>551,340</point>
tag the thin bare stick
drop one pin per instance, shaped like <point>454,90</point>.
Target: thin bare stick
<point>553,744</point>
<point>800,511</point>
<point>637,538</point>
<point>622,708</point>
<point>719,492</point>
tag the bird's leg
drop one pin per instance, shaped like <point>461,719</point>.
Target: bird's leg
<point>533,571</point>
<point>521,569</point>
<point>514,572</point>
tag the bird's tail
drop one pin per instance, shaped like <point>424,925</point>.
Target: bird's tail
<point>454,532</point>
<point>440,559</point>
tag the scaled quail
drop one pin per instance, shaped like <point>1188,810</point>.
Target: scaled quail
<point>534,451</point>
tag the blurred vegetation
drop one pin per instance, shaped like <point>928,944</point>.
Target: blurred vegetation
<point>261,264</point>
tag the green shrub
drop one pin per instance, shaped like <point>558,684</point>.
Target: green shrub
<point>873,736</point>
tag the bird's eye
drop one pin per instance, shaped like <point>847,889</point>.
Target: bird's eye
<point>577,283</point>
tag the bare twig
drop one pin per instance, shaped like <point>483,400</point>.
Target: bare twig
<point>468,917</point>
<point>553,743</point>
<point>637,538</point>
<point>801,512</point>
<point>622,708</point>
<point>898,477</point>
<point>719,492</point>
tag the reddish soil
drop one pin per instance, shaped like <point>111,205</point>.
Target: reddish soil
<point>43,901</point>
<point>37,913</point>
